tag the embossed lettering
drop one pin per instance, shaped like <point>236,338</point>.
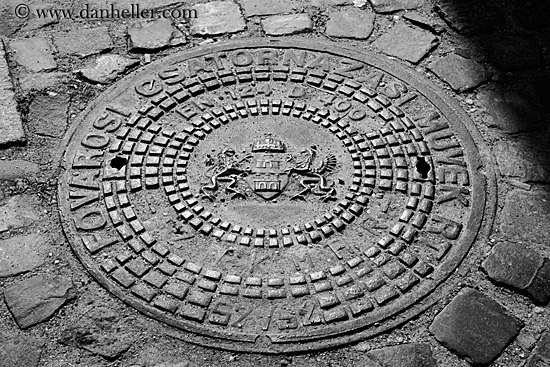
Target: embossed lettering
<point>90,220</point>
<point>290,57</point>
<point>95,141</point>
<point>149,88</point>
<point>242,58</point>
<point>446,227</point>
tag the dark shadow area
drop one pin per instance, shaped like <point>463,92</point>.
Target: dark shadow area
<point>118,162</point>
<point>513,37</point>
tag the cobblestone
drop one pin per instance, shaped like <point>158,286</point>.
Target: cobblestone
<point>48,115</point>
<point>350,23</point>
<point>519,209</point>
<point>424,22</point>
<point>510,112</point>
<point>541,355</point>
<point>460,73</point>
<point>280,25</point>
<point>539,289</point>
<point>34,54</point>
<point>406,43</point>
<point>18,212</point>
<point>101,332</point>
<point>471,17</point>
<point>83,42</point>
<point>404,355</point>
<point>390,6</point>
<point>17,169</point>
<point>36,299</point>
<point>106,68</point>
<point>475,327</point>
<point>11,126</point>
<point>217,17</point>
<point>41,81</point>
<point>513,264</point>
<point>18,350</point>
<point>524,158</point>
<point>18,255</point>
<point>272,7</point>
<point>154,35</point>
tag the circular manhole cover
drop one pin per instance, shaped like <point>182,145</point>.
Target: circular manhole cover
<point>272,195</point>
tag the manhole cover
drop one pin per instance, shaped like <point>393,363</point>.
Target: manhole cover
<point>272,195</point>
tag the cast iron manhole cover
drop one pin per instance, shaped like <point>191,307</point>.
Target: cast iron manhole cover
<point>272,195</point>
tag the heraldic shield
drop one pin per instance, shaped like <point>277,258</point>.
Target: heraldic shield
<point>269,174</point>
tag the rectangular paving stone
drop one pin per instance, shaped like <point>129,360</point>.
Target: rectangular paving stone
<point>350,23</point>
<point>18,255</point>
<point>271,7</point>
<point>11,126</point>
<point>279,25</point>
<point>513,264</point>
<point>404,355</point>
<point>217,17</point>
<point>475,327</point>
<point>406,43</point>
<point>83,42</point>
<point>460,73</point>
<point>389,6</point>
<point>34,54</point>
<point>541,355</point>
<point>526,217</point>
<point>539,289</point>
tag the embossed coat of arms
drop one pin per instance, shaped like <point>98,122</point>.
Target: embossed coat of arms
<point>267,170</point>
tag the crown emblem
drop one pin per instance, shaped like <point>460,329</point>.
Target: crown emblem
<point>269,145</point>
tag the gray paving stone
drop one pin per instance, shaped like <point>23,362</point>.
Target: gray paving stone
<point>217,17</point>
<point>34,54</point>
<point>41,81</point>
<point>460,73</point>
<point>18,212</point>
<point>389,6</point>
<point>513,264</point>
<point>350,23</point>
<point>154,35</point>
<point>271,7</point>
<point>100,331</point>
<point>404,355</point>
<point>19,255</point>
<point>511,112</point>
<point>11,126</point>
<point>406,43</point>
<point>10,22</point>
<point>104,69</point>
<point>17,169</point>
<point>475,327</point>
<point>83,42</point>
<point>524,158</point>
<point>48,114</point>
<point>517,217</point>
<point>514,52</point>
<point>280,25</point>
<point>539,289</point>
<point>18,350</point>
<point>36,299</point>
<point>424,22</point>
<point>177,364</point>
<point>541,355</point>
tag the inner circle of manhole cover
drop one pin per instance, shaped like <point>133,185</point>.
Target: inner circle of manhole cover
<point>272,195</point>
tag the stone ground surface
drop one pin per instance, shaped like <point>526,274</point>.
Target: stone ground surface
<point>492,56</point>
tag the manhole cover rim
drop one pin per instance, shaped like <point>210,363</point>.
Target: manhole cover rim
<point>462,126</point>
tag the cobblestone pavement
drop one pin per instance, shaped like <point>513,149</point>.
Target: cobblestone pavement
<point>492,56</point>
